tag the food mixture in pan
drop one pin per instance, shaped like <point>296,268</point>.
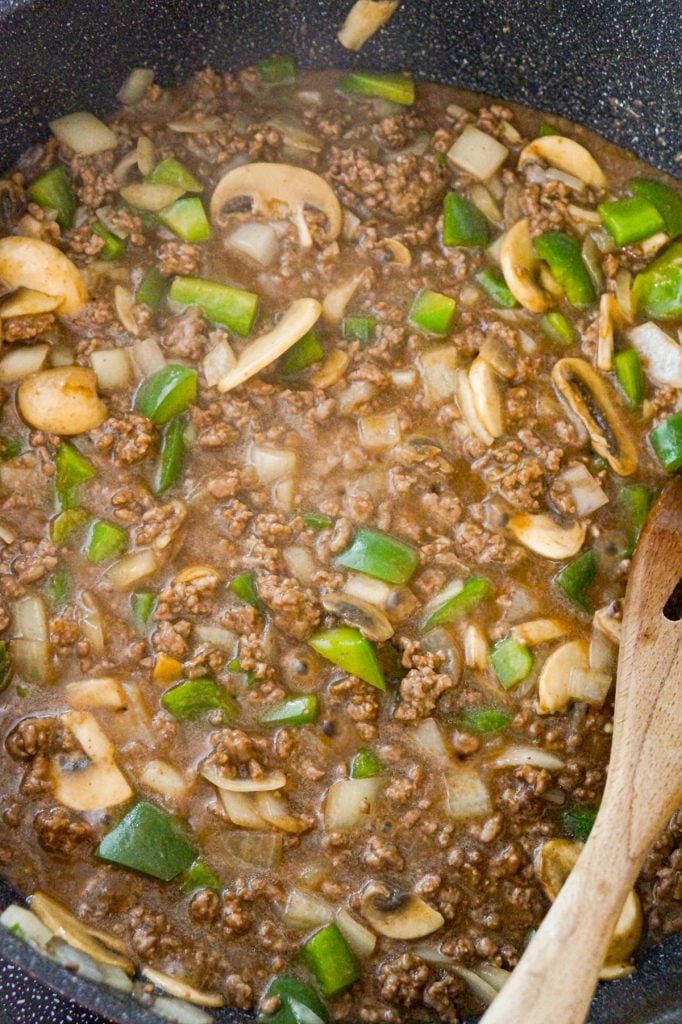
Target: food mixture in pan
<point>332,409</point>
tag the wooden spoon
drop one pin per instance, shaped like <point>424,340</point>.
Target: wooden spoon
<point>557,975</point>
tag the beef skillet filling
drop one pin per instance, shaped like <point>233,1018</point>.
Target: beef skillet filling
<point>332,410</point>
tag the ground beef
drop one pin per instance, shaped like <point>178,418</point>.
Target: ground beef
<point>61,832</point>
<point>179,258</point>
<point>292,606</point>
<point>129,438</point>
<point>26,328</point>
<point>193,597</point>
<point>186,335</point>
<point>409,186</point>
<point>395,132</point>
<point>160,525</point>
<point>172,638</point>
<point>419,693</point>
<point>24,562</point>
<point>546,206</point>
<point>31,736</point>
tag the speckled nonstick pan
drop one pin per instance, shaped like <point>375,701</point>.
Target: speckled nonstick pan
<point>614,66</point>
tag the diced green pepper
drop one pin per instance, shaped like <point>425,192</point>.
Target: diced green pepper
<point>546,129</point>
<point>495,288</point>
<point>360,328</point>
<point>657,291</point>
<point>562,254</point>
<point>482,720</point>
<point>306,351</point>
<point>298,1003</point>
<point>347,648</point>
<point>365,765</point>
<point>578,821</point>
<point>152,290</point>
<point>171,456</point>
<point>380,555</point>
<point>317,522</point>
<point>105,540</point>
<point>167,393</point>
<point>53,191</point>
<point>511,661</point>
<point>171,172</point>
<point>113,247</point>
<point>195,697</point>
<point>300,710</point>
<point>558,328</point>
<point>228,307</point>
<point>142,604</point>
<point>5,666</point>
<point>635,501</point>
<point>329,957</point>
<point>200,877</point>
<point>395,88</point>
<point>631,219</point>
<point>234,665</point>
<point>576,578</point>
<point>63,525</point>
<point>628,367</point>
<point>432,311</point>
<point>665,199</point>
<point>57,587</point>
<point>277,70</point>
<point>187,219</point>
<point>463,222</point>
<point>244,586</point>
<point>666,440</point>
<point>73,470</point>
<point>475,589</point>
<point>10,447</point>
<point>150,841</point>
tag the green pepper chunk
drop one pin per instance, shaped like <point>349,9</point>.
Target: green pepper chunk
<point>329,957</point>
<point>576,578</point>
<point>365,765</point>
<point>105,541</point>
<point>298,1003</point>
<point>395,88</point>
<point>628,367</point>
<point>57,587</point>
<point>152,290</point>
<point>380,555</point>
<point>10,448</point>
<point>463,222</point>
<point>475,589</point>
<point>635,501</point>
<point>577,822</point>
<point>244,586</point>
<point>317,522</point>
<point>511,661</point>
<point>72,471</point>
<point>172,455</point>
<point>347,648</point>
<point>495,288</point>
<point>53,191</point>
<point>200,877</point>
<point>665,199</point>
<point>666,440</point>
<point>5,666</point>
<point>234,665</point>
<point>277,70</point>
<point>195,697</point>
<point>631,219</point>
<point>304,353</point>
<point>63,525</point>
<point>558,328</point>
<point>546,129</point>
<point>292,711</point>
<point>150,841</point>
<point>562,253</point>
<point>432,312</point>
<point>228,307</point>
<point>171,172</point>
<point>141,605</point>
<point>360,328</point>
<point>187,219</point>
<point>167,393</point>
<point>113,247</point>
<point>482,720</point>
<point>657,291</point>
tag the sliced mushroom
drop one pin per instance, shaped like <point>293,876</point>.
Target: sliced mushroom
<point>103,947</point>
<point>274,780</point>
<point>26,302</point>
<point>181,989</point>
<point>146,195</point>
<point>295,322</point>
<point>364,19</point>
<point>399,915</point>
<point>610,316</point>
<point>331,371</point>
<point>37,265</point>
<point>467,407</point>
<point>487,397</point>
<point>554,685</point>
<point>542,535</point>
<point>97,784</point>
<point>62,400</point>
<point>591,399</point>
<point>566,154</point>
<point>609,621</point>
<point>272,187</point>
<point>294,134</point>
<point>192,573</point>
<point>521,267</point>
<point>337,298</point>
<point>369,619</point>
<point>400,254</point>
<point>538,631</point>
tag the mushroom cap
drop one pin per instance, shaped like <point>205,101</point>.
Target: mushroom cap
<point>566,154</point>
<point>62,400</point>
<point>554,685</point>
<point>542,535</point>
<point>520,266</point>
<point>407,917</point>
<point>369,619</point>
<point>39,266</point>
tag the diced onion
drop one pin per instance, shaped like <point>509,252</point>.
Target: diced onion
<point>272,464</point>
<point>257,241</point>
<point>663,355</point>
<point>163,778</point>
<point>195,125</point>
<point>587,493</point>
<point>653,243</point>
<point>355,394</point>
<point>182,989</point>
<point>92,623</point>
<point>360,939</point>
<point>467,408</point>
<point>262,851</point>
<point>135,86</point>
<point>467,794</point>
<point>121,172</point>
<point>603,653</point>
<point>218,362</point>
<point>146,195</point>
<point>275,780</point>
<point>124,302</point>
<point>379,431</point>
<point>241,809</point>
<point>364,19</point>
<point>129,570</point>
<point>519,754</point>
<point>538,631</point>
<point>349,802</point>
<point>368,589</point>
<point>304,910</point>
<point>480,197</point>
<point>112,367</point>
<point>83,133</point>
<point>179,1011</point>
<point>284,493</point>
<point>7,534</point>
<point>300,562</point>
<point>475,647</point>
<point>216,635</point>
<point>104,692</point>
<point>148,356</point>
<point>438,368</point>
<point>32,660</point>
<point>405,379</point>
<point>477,153</point>
<point>60,355</point>
<point>337,299</point>
<point>480,987</point>
<point>332,369</point>
<point>553,173</point>
<point>351,223</point>
<point>76,961</point>
<point>429,737</point>
<point>145,152</point>
<point>22,360</point>
<point>29,924</point>
<point>589,686</point>
<point>495,976</point>
<point>30,618</point>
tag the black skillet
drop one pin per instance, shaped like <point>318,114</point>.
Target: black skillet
<point>614,66</point>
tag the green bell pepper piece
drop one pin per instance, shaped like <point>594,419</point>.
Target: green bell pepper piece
<point>628,367</point>
<point>300,710</point>
<point>57,587</point>
<point>200,877</point>
<point>277,70</point>
<point>347,648</point>
<point>304,353</point>
<point>493,285</point>
<point>395,88</point>
<point>665,199</point>
<point>631,219</point>
<point>657,291</point>
<point>5,666</point>
<point>142,604</point>
<point>167,393</point>
<point>666,440</point>
<point>463,222</point>
<point>432,312</point>
<point>577,822</point>
<point>187,219</point>
<point>105,540</point>
<point>150,841</point>
<point>575,579</point>
<point>72,471</point>
<point>365,765</point>
<point>546,129</point>
<point>172,455</point>
<point>475,589</point>
<point>360,328</point>
<point>195,697</point>
<point>244,586</point>
<point>558,328</point>
<point>229,307</point>
<point>53,191</point>
<point>171,172</point>
<point>511,661</point>
<point>113,247</point>
<point>562,254</point>
<point>63,525</point>
<point>635,501</point>
<point>317,522</point>
<point>380,555</point>
<point>482,720</point>
<point>329,957</point>
<point>298,1003</point>
<point>10,448</point>
<point>152,290</point>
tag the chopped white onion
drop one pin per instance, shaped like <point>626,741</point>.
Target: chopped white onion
<point>32,660</point>
<point>216,635</point>
<point>218,362</point>
<point>274,780</point>
<point>360,939</point>
<point>304,910</point>
<point>404,379</point>
<point>299,562</point>
<point>366,588</point>
<point>467,408</point>
<point>519,754</point>
<point>553,173</point>
<point>163,778</point>
<point>194,125</point>
<point>135,86</point>
<point>241,809</point>
<point>364,19</point>
<point>349,802</point>
<point>467,794</point>
<point>337,299</point>
<point>480,197</point>
<point>83,133</point>
<point>272,464</point>
<point>182,989</point>
<point>120,173</point>
<point>538,631</point>
<point>587,493</point>
<point>179,1011</point>
<point>481,988</point>
<point>145,152</point>
<point>477,153</point>
<point>662,354</point>
<point>112,367</point>
<point>355,394</point>
<point>257,241</point>
<point>104,692</point>
<point>495,976</point>
<point>148,356</point>
<point>124,302</point>
<point>274,810</point>
<point>475,647</point>
<point>28,924</point>
<point>146,195</point>
<point>381,430</point>
<point>438,368</point>
<point>591,687</point>
<point>22,360</point>
<point>429,737</point>
<point>603,653</point>
<point>129,570</point>
<point>28,302</point>
<point>30,618</point>
<point>653,243</point>
<point>262,851</point>
<point>351,223</point>
<point>60,355</point>
<point>7,534</point>
<point>92,623</point>
<point>331,370</point>
<point>284,493</point>
<point>76,961</point>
